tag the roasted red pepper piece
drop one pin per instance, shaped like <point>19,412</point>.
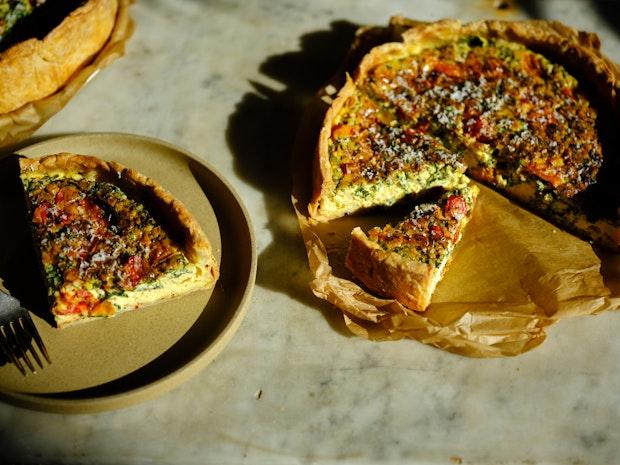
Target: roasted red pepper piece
<point>456,207</point>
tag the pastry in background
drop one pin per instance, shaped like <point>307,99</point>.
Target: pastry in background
<point>44,44</point>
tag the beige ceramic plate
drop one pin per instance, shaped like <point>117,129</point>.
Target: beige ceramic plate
<point>111,363</point>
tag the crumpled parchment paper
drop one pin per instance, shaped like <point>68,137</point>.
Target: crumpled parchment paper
<point>512,274</point>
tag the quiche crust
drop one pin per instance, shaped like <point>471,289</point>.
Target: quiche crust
<point>188,234</point>
<point>391,271</point>
<point>35,68</point>
<point>410,282</point>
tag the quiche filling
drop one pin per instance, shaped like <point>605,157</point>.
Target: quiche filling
<point>522,116</point>
<point>512,117</point>
<point>99,248</point>
<point>430,232</point>
<point>377,159</point>
<point>422,113</point>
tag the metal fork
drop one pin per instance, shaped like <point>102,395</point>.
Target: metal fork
<point>17,331</point>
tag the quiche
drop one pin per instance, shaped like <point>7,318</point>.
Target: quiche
<point>407,260</point>
<point>524,106</point>
<point>109,239</point>
<point>46,45</point>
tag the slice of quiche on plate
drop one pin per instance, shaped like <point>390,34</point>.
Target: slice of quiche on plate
<point>110,239</point>
<point>407,260</point>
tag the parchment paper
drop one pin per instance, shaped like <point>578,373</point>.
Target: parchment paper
<point>19,124</point>
<point>512,274</point>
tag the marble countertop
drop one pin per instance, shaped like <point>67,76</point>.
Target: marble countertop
<point>227,80</point>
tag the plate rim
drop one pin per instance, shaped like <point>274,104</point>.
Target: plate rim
<point>160,386</point>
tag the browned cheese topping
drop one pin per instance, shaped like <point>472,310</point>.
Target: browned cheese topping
<point>524,116</point>
<point>369,143</point>
<point>430,231</point>
<point>95,242</point>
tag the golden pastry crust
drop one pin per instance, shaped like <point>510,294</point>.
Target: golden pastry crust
<point>34,69</point>
<point>322,182</point>
<point>194,242</point>
<point>410,282</point>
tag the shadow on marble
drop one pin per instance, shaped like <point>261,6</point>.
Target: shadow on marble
<point>261,134</point>
<point>531,8</point>
<point>19,270</point>
<point>609,12</point>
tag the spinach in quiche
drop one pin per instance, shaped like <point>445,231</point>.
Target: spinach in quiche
<point>12,11</point>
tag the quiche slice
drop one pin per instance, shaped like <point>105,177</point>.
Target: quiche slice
<point>406,261</point>
<point>110,239</point>
<point>528,106</point>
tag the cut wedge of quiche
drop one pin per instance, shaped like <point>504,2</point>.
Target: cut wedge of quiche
<point>406,261</point>
<point>110,239</point>
<point>522,105</point>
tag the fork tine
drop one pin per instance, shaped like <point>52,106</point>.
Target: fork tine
<point>7,348</point>
<point>26,338</point>
<point>32,330</point>
<point>20,347</point>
